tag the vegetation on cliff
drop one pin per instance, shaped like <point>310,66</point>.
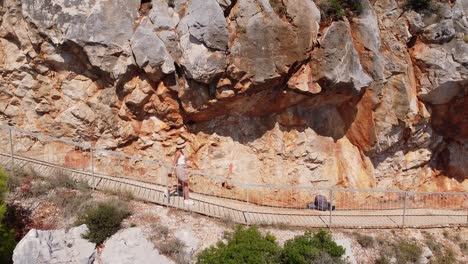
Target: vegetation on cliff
<point>248,245</point>
<point>7,234</point>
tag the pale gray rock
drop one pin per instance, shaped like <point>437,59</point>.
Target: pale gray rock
<point>100,28</point>
<point>368,27</point>
<point>198,61</point>
<point>198,41</point>
<point>224,3</point>
<point>337,61</point>
<point>150,52</point>
<point>426,256</point>
<point>415,21</point>
<point>205,21</point>
<point>346,244</point>
<point>54,247</point>
<point>445,78</point>
<point>131,246</point>
<point>163,16</point>
<point>439,33</point>
<point>265,46</point>
<point>187,237</point>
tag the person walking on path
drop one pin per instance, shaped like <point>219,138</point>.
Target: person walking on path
<point>179,167</point>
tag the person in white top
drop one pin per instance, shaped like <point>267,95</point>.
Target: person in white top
<point>182,174</point>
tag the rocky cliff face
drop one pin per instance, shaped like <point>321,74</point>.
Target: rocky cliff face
<point>374,100</point>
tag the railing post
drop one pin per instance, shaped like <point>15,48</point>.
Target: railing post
<point>166,174</point>
<point>10,139</point>
<point>92,167</point>
<point>331,209</point>
<point>248,202</point>
<point>405,205</point>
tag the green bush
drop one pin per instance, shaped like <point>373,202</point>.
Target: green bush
<point>103,220</point>
<point>7,244</point>
<point>171,247</point>
<point>337,9</point>
<point>364,240</point>
<point>407,252</point>
<point>310,247</point>
<point>3,186</point>
<point>7,234</point>
<point>245,245</point>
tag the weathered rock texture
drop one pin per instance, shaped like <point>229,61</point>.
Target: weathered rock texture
<point>130,246</point>
<point>378,100</point>
<point>56,246</point>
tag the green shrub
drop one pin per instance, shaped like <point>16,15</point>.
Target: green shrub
<point>464,248</point>
<point>3,186</point>
<point>382,260</point>
<point>364,240</point>
<point>310,247</point>
<point>125,194</point>
<point>337,9</point>
<point>407,252</point>
<point>171,247</point>
<point>7,234</point>
<point>103,220</point>
<point>245,245</point>
<point>442,254</point>
<point>160,231</point>
<point>447,256</point>
<point>7,244</point>
<point>419,5</point>
<point>62,179</point>
<point>71,203</point>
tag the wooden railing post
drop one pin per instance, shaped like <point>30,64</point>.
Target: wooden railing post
<point>10,139</point>
<point>405,205</point>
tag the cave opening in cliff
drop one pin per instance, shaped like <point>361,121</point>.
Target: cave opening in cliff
<point>145,6</point>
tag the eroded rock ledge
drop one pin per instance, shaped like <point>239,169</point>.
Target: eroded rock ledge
<point>373,101</point>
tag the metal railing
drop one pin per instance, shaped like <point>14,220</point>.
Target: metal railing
<point>353,207</point>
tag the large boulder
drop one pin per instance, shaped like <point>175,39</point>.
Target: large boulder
<point>150,52</point>
<point>203,40</point>
<point>336,63</point>
<point>54,247</point>
<point>131,246</point>
<point>266,45</point>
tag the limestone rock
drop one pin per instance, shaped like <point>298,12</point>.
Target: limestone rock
<point>162,16</point>
<point>102,29</point>
<point>198,60</point>
<point>372,100</point>
<point>439,33</point>
<point>266,46</point>
<point>346,244</point>
<point>426,256</point>
<point>188,238</point>
<point>445,77</point>
<point>130,246</point>
<point>150,52</point>
<point>137,98</point>
<point>206,23</point>
<point>56,246</point>
<point>337,62</point>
